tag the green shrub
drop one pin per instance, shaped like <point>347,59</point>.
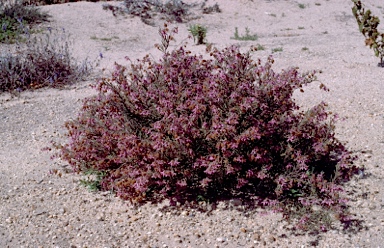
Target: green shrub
<point>368,27</point>
<point>16,19</point>
<point>9,32</point>
<point>187,128</point>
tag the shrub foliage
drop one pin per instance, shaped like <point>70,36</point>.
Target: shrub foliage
<point>186,127</point>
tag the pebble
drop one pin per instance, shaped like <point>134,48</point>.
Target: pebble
<point>270,239</point>
<point>221,239</point>
<point>185,213</point>
<point>100,216</point>
<point>256,236</point>
<point>236,202</point>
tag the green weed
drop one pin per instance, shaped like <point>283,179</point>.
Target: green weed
<point>277,49</point>
<point>245,37</point>
<point>199,33</point>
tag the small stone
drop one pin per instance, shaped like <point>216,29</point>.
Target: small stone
<point>211,207</point>
<point>236,202</point>
<point>134,218</point>
<point>256,236</point>
<point>316,208</point>
<point>40,212</point>
<point>184,213</point>
<point>230,219</point>
<point>144,238</point>
<point>221,239</point>
<point>243,230</point>
<point>372,206</point>
<point>359,203</point>
<point>270,238</point>
<point>264,243</point>
<point>100,217</point>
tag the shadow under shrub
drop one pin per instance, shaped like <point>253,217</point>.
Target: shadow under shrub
<point>187,127</point>
<point>42,61</point>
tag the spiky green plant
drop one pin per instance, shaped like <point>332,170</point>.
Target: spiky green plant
<point>199,33</point>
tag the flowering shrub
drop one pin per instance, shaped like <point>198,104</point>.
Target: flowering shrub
<point>186,127</point>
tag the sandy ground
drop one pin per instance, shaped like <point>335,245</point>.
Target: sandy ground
<point>38,209</point>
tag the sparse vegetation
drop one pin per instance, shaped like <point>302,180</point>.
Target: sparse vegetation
<point>245,37</point>
<point>277,49</point>
<point>104,38</point>
<point>93,179</point>
<point>49,2</point>
<point>171,10</point>
<point>302,6</point>
<point>368,27</point>
<point>42,61</point>
<point>260,47</point>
